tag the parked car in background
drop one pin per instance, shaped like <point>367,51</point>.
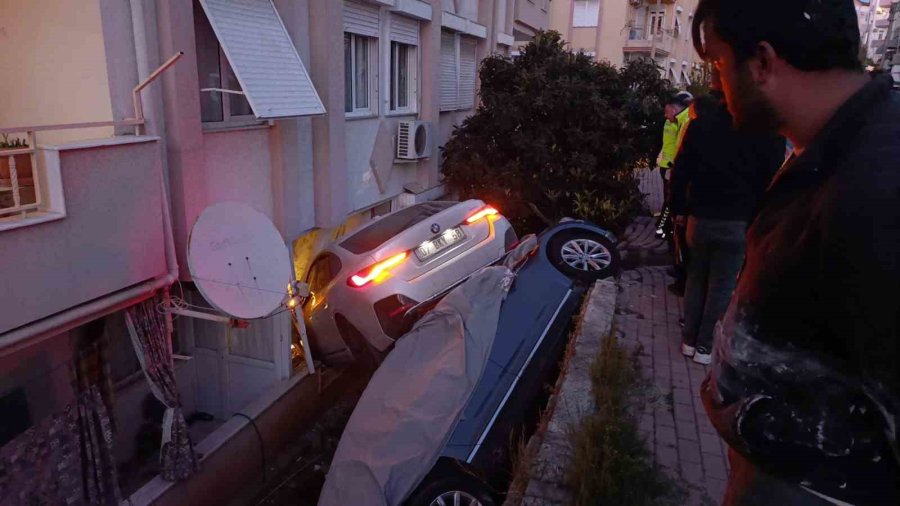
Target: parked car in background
<point>363,285</point>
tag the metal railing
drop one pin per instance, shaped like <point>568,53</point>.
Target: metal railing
<point>16,188</point>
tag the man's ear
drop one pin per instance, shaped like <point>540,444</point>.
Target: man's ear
<point>762,65</point>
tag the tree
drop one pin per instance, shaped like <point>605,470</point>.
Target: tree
<point>558,135</point>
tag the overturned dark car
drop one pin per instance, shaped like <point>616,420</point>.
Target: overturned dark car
<point>435,422</point>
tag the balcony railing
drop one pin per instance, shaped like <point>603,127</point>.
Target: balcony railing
<point>20,173</point>
<point>21,177</point>
<point>640,38</point>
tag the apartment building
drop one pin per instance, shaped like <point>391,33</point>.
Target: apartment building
<point>891,60</point>
<point>123,120</point>
<point>620,31</point>
<point>872,16</point>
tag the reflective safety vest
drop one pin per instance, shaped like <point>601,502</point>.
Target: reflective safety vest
<point>673,132</point>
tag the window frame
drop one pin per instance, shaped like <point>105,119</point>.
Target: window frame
<point>371,109</point>
<point>226,73</point>
<point>412,79</point>
<point>579,21</point>
<point>458,105</point>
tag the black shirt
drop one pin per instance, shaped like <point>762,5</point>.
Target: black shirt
<point>720,173</point>
<point>805,376</point>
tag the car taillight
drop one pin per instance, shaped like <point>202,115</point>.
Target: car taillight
<point>377,272</point>
<point>484,212</point>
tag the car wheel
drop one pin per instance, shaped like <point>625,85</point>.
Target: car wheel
<point>584,255</point>
<point>364,354</point>
<point>455,489</point>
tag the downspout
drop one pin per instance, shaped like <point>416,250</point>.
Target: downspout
<point>41,330</point>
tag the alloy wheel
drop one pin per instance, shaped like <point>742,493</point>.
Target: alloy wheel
<point>455,498</point>
<point>585,255</point>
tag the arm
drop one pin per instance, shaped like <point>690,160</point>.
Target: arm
<point>831,422</point>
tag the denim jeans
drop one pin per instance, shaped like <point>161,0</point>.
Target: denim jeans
<point>717,250</point>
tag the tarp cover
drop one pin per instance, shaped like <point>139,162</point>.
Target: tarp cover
<point>414,400</point>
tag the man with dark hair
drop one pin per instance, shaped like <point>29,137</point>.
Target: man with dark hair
<point>804,384</point>
<point>677,118</point>
<point>718,180</point>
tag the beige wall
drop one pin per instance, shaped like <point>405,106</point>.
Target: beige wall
<point>53,66</point>
<point>613,18</point>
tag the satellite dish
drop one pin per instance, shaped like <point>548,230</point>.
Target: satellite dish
<point>238,261</point>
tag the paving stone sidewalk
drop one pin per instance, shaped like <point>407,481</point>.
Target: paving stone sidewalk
<point>675,425</point>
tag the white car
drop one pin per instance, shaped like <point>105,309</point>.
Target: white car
<point>362,286</point>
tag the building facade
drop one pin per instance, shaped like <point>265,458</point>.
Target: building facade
<point>289,106</point>
<point>620,31</point>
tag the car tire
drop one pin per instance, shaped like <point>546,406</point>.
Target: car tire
<point>568,248</point>
<point>447,486</point>
<point>364,354</point>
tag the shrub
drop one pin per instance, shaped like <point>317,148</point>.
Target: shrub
<point>558,135</point>
<point>611,462</point>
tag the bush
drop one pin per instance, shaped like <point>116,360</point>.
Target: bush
<point>558,135</point>
<point>611,463</point>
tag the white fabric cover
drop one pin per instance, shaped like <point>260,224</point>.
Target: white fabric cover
<point>414,400</point>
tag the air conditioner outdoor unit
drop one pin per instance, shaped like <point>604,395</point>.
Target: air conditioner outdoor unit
<point>413,140</point>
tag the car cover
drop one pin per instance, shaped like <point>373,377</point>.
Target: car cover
<point>415,398</point>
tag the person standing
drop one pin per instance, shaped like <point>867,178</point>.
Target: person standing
<point>805,383</point>
<point>719,178</point>
<point>677,118</point>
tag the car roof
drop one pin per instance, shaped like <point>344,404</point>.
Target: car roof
<point>381,231</point>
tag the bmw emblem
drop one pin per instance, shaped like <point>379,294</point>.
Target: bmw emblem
<point>435,228</point>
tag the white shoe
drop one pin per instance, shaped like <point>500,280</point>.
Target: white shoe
<point>702,357</point>
<point>687,351</point>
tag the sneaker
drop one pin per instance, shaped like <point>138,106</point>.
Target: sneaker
<point>687,351</point>
<point>702,357</point>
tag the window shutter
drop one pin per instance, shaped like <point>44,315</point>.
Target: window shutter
<point>263,57</point>
<point>404,30</point>
<point>468,67</point>
<point>449,76</point>
<point>361,19</point>
<point>586,13</point>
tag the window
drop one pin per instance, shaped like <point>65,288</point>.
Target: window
<point>403,77</point>
<point>381,231</point>
<point>657,21</point>
<point>360,56</point>
<point>459,65</point>
<point>586,13</point>
<point>322,271</point>
<point>217,106</point>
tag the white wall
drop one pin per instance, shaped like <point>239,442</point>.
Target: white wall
<point>53,66</point>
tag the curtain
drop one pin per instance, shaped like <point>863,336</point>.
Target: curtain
<point>151,339</point>
<point>66,459</point>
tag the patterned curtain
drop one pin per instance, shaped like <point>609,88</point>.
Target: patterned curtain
<point>150,337</point>
<point>66,459</point>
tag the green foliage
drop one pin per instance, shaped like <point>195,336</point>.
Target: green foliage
<point>558,135</point>
<point>16,143</point>
<point>612,464</point>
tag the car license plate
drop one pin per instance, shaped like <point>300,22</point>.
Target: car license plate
<point>434,246</point>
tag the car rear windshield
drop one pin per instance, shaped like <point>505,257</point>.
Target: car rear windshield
<point>382,230</point>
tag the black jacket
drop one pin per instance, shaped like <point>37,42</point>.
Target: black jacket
<point>804,380</point>
<point>719,173</point>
